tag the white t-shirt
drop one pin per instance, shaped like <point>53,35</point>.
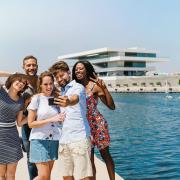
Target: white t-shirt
<point>50,131</point>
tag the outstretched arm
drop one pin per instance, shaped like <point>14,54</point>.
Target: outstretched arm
<point>64,101</point>
<point>4,74</point>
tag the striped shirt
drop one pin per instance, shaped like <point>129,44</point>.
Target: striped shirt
<point>10,147</point>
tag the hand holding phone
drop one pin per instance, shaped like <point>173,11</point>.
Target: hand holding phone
<point>51,101</point>
<point>62,101</point>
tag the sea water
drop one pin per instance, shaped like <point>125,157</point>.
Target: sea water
<point>145,135</point>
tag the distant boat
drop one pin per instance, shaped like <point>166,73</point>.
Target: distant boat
<point>168,96</point>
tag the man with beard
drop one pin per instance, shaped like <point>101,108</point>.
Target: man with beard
<point>75,146</point>
<point>30,67</point>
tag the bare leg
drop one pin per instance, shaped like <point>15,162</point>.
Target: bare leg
<point>43,171</point>
<point>109,162</point>
<point>11,171</point>
<point>51,164</point>
<point>68,177</point>
<point>3,168</point>
<point>87,178</point>
<point>93,165</point>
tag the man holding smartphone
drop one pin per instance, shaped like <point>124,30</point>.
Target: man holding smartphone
<point>30,67</point>
<point>75,146</point>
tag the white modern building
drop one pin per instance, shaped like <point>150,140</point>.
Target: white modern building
<point>127,70</point>
<point>112,62</point>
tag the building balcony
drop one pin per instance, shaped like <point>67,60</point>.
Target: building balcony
<point>116,69</point>
<point>127,58</point>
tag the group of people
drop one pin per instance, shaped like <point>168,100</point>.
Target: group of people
<point>58,115</point>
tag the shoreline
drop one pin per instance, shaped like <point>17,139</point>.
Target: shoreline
<point>143,84</point>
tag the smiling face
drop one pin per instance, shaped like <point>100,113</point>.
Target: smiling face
<point>62,78</point>
<point>47,85</point>
<point>80,72</point>
<point>30,67</point>
<point>19,85</point>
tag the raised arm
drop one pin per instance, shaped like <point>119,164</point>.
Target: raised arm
<point>106,98</point>
<point>103,93</point>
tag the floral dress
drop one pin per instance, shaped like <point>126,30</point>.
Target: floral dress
<point>97,123</point>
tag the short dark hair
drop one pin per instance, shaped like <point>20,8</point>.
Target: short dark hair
<point>29,57</point>
<point>59,66</point>
<point>89,70</point>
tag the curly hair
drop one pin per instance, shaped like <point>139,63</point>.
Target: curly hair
<point>89,70</point>
<point>59,66</point>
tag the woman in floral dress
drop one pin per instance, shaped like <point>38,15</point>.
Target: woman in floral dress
<point>84,73</point>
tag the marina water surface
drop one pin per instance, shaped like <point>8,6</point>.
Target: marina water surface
<point>145,135</point>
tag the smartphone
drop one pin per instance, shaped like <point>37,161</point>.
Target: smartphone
<point>51,101</point>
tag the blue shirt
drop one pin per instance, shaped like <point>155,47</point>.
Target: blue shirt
<point>75,126</point>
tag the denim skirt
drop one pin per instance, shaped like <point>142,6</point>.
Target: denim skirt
<point>43,150</point>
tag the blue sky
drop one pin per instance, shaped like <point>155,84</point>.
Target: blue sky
<point>50,28</point>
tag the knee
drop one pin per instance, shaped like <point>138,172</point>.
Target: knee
<point>43,177</point>
<point>10,176</point>
<point>68,177</point>
<point>2,177</point>
<point>105,154</point>
<point>10,173</point>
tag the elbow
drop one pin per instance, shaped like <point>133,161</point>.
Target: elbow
<point>30,125</point>
<point>19,124</point>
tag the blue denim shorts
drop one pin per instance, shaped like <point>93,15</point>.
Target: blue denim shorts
<point>43,150</point>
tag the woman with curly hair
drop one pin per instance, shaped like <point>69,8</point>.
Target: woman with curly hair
<point>84,73</point>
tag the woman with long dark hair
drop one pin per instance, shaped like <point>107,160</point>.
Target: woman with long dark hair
<point>84,73</point>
